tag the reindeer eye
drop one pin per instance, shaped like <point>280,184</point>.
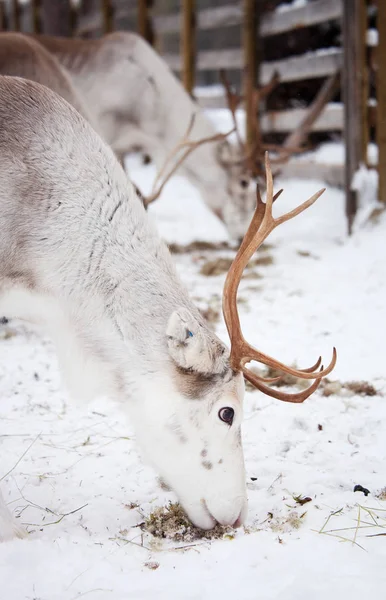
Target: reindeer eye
<point>244,183</point>
<point>226,415</point>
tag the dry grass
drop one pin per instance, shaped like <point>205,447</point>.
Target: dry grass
<point>381,494</point>
<point>216,266</point>
<point>285,524</point>
<point>221,265</point>
<point>349,388</point>
<point>199,246</point>
<point>172,523</point>
<point>370,522</point>
<point>210,314</point>
<point>205,246</point>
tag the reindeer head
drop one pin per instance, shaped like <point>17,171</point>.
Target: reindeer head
<point>239,203</point>
<point>193,434</point>
<point>193,424</point>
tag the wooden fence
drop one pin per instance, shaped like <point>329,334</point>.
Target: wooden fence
<point>253,39</point>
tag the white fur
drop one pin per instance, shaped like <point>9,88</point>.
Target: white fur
<point>79,255</point>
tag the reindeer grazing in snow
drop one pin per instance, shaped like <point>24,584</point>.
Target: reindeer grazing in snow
<point>138,103</point>
<point>79,254</point>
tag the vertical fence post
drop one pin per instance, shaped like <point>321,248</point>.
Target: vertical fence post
<point>354,68</point>
<point>36,16</point>
<point>56,17</point>
<point>381,102</point>
<point>108,16</point>
<point>3,20</point>
<point>251,48</point>
<point>145,28</point>
<point>188,44</point>
<point>16,15</point>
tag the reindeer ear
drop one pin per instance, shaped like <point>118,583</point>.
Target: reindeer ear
<point>191,345</point>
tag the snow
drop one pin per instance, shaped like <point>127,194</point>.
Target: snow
<point>372,37</point>
<point>323,289</point>
<point>292,5</point>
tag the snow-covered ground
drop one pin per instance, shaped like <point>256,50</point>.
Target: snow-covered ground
<point>81,473</point>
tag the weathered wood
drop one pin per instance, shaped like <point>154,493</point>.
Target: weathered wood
<point>145,28</point>
<point>331,119</point>
<point>36,16</point>
<point>307,66</point>
<point>16,12</point>
<point>89,25</point>
<point>311,13</point>
<point>188,44</point>
<point>381,106</point>
<point>108,16</point>
<point>332,174</point>
<point>352,74</point>
<point>56,17</point>
<point>3,21</point>
<point>326,93</point>
<point>89,19</point>
<point>271,23</point>
<point>250,48</point>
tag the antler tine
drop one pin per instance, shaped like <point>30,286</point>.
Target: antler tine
<point>181,144</point>
<point>189,146</point>
<point>314,367</point>
<point>241,352</point>
<point>233,100</point>
<point>252,354</point>
<point>286,397</point>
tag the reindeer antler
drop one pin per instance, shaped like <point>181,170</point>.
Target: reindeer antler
<point>169,167</point>
<point>241,352</point>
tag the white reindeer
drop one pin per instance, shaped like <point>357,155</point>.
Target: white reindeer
<point>79,254</point>
<point>139,103</point>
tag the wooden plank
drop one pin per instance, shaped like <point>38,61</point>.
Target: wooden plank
<point>188,44</point>
<point>16,15</point>
<point>331,119</point>
<point>36,16</point>
<point>271,24</point>
<point>331,174</point>
<point>167,24</point>
<point>56,17</point>
<point>89,19</point>
<point>221,16</point>
<point>364,81</point>
<point>307,66</point>
<point>304,16</point>
<point>3,19</point>
<point>89,24</point>
<point>145,28</point>
<point>108,16</point>
<point>352,91</point>
<point>381,106</point>
<point>250,49</point>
